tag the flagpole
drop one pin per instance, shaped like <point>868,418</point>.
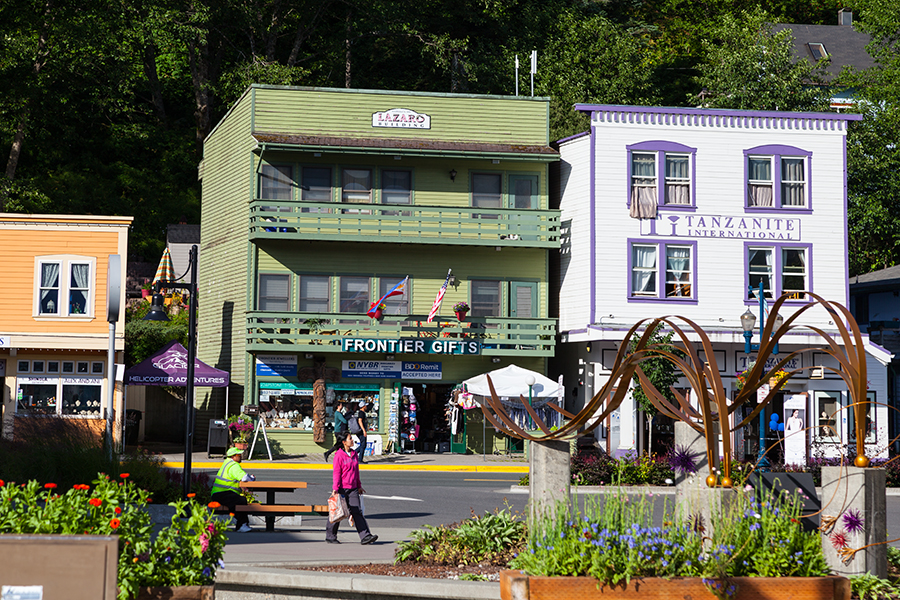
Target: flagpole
<point>517,74</point>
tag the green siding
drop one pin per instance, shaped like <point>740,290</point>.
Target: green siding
<point>454,118</point>
<point>426,265</point>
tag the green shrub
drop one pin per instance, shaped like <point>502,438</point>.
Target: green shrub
<point>870,587</point>
<point>493,538</point>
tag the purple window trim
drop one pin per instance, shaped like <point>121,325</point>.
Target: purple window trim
<point>777,271</point>
<point>660,148</point>
<point>661,270</point>
<point>777,152</point>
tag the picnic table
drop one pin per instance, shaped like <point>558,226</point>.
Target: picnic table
<point>271,509</point>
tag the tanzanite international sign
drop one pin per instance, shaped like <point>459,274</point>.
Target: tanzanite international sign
<point>742,227</point>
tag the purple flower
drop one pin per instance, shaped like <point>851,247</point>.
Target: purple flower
<point>853,521</point>
<point>683,460</point>
<point>207,572</point>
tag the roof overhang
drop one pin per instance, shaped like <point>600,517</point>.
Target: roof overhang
<point>404,147</point>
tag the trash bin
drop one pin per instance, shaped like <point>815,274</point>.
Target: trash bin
<point>132,426</point>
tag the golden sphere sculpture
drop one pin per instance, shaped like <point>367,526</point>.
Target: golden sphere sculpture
<point>861,461</point>
<point>727,482</point>
<point>711,481</point>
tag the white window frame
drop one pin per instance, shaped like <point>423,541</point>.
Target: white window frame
<point>660,273</point>
<point>777,270</point>
<point>833,437</point>
<point>776,155</point>
<point>63,309</point>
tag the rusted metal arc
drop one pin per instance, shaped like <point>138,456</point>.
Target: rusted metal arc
<point>659,401</point>
<point>534,416</point>
<point>497,407</point>
<point>685,404</point>
<point>564,413</point>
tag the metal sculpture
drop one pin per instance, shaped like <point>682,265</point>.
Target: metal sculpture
<point>712,406</point>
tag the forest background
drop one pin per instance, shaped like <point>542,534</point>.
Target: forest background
<point>104,105</point>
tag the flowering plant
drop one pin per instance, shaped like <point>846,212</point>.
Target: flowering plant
<point>184,553</point>
<point>781,375</point>
<point>240,426</point>
<point>460,307</point>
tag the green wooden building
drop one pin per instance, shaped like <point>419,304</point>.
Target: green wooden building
<point>317,202</point>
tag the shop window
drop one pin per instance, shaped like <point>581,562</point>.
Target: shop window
<point>53,366</point>
<point>81,368</point>
<point>37,399</point>
<point>37,366</point>
<point>486,298</point>
<point>64,287</point>
<point>68,367</point>
<point>367,401</point>
<point>871,428</point>
<point>288,412</point>
<point>24,366</point>
<point>315,293</point>
<point>81,400</point>
<point>97,368</point>
<point>828,405</point>
<point>315,186</point>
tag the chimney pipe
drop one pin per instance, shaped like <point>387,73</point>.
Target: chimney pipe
<point>845,17</point>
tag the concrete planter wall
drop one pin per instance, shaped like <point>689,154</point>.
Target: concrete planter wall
<point>255,583</point>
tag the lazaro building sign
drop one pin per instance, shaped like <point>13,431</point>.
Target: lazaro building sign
<point>401,117</point>
<point>718,226</point>
<point>412,346</point>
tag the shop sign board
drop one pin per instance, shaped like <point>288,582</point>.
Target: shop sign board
<point>391,369</point>
<point>5,341</point>
<point>723,226</point>
<point>743,362</point>
<point>411,346</point>
<point>276,365</point>
<point>402,118</point>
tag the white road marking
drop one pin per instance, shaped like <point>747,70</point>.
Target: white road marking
<point>392,498</point>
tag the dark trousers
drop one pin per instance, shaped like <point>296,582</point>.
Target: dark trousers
<point>361,451</point>
<point>231,500</point>
<point>362,528</point>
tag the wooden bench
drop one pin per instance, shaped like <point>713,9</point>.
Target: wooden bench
<point>270,511</point>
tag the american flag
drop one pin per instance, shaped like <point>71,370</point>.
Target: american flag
<point>439,298</point>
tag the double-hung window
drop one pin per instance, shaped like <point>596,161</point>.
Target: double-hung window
<point>662,271</point>
<point>315,186</point>
<point>315,294</point>
<point>397,304</point>
<point>274,294</point>
<point>275,182</point>
<point>777,178</point>
<point>64,286</point>
<point>487,192</point>
<point>781,268</point>
<point>396,188</point>
<point>354,295</point>
<point>356,185</point>
<point>486,298</point>
<point>660,175</point>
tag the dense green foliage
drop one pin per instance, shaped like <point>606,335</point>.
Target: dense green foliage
<point>492,538</point>
<point>106,104</point>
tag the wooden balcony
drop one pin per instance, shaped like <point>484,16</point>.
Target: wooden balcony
<point>317,332</point>
<point>410,224</point>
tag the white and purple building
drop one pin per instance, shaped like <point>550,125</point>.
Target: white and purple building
<point>676,211</point>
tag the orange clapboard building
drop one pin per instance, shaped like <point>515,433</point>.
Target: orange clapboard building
<point>54,334</point>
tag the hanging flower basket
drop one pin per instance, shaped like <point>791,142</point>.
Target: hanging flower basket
<point>461,309</point>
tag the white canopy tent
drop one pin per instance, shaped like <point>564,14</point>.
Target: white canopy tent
<point>512,381</point>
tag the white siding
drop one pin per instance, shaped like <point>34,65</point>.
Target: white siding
<point>575,260</point>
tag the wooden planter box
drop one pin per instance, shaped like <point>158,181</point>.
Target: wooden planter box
<point>516,586</point>
<point>185,592</point>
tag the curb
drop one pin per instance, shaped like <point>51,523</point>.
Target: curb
<point>259,583</point>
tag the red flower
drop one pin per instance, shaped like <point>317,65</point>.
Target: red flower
<point>124,475</point>
<point>214,505</point>
<point>81,486</point>
<point>191,495</point>
<point>149,500</point>
<point>114,523</point>
<point>118,510</point>
<point>50,486</point>
<point>2,483</point>
<point>95,501</point>
<point>839,540</point>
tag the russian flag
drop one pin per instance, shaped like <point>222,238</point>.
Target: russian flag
<point>394,291</point>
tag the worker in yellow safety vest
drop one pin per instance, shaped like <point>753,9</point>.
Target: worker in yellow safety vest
<point>226,489</point>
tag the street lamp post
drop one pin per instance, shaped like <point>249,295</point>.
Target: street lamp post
<point>529,380</point>
<point>158,313</point>
<point>748,322</point>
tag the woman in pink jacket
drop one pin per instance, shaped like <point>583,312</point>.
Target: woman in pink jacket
<point>346,483</point>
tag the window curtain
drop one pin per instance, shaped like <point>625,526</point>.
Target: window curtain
<point>643,189</point>
<point>792,186</point>
<point>643,271</point>
<point>81,274</point>
<point>678,190</point>
<point>760,194</point>
<point>678,262</point>
<point>761,269</point>
<point>49,279</point>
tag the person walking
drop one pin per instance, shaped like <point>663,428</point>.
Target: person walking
<point>226,489</point>
<point>345,482</point>
<point>360,427</point>
<point>340,426</point>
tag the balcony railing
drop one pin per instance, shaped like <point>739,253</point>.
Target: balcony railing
<point>274,220</point>
<point>317,332</point>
